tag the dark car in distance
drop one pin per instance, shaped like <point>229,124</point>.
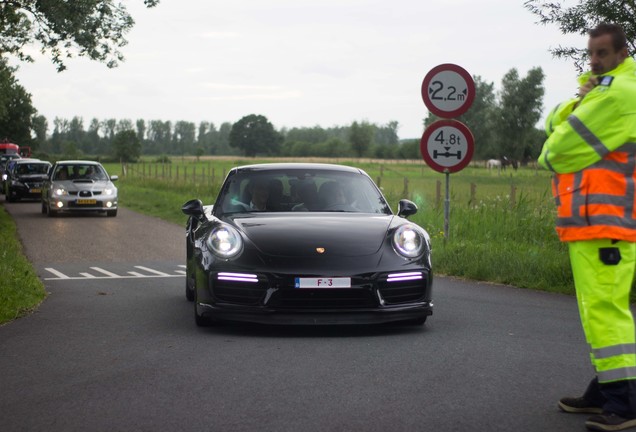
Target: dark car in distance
<point>25,178</point>
<point>305,244</point>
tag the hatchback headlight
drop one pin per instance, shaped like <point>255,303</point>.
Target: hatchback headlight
<point>409,241</point>
<point>225,241</point>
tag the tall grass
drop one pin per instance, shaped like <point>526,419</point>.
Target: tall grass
<point>20,289</point>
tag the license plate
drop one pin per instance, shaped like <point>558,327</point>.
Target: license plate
<point>35,190</point>
<point>325,282</point>
<point>86,201</point>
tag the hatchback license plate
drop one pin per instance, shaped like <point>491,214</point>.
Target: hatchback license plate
<point>325,282</point>
<point>86,201</point>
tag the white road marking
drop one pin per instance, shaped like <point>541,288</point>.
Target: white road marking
<point>105,274</point>
<point>59,275</point>
<point>152,271</point>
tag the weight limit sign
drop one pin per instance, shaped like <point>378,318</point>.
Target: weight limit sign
<point>447,146</point>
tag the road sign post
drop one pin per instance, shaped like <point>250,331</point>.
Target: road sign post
<point>447,145</point>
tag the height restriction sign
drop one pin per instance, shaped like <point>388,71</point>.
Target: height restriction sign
<point>447,146</point>
<point>448,90</point>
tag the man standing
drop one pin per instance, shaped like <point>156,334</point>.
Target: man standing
<point>591,148</point>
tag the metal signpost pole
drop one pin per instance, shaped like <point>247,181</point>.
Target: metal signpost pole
<point>447,205</point>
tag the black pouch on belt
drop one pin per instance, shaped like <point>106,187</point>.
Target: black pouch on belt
<point>610,256</point>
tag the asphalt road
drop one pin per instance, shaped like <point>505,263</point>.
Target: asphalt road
<point>114,347</point>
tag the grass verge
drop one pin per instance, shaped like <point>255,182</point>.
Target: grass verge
<point>21,290</point>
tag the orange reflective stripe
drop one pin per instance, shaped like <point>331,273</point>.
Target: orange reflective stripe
<point>600,201</point>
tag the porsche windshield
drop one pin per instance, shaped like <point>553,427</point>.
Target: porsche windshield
<point>305,190</point>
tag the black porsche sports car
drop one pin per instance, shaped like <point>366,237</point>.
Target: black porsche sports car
<point>295,243</point>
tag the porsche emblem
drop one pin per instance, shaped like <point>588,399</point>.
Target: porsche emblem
<point>320,250</point>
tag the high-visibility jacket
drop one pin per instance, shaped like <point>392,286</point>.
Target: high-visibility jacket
<point>591,148</point>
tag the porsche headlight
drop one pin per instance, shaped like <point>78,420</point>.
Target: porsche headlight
<point>225,241</point>
<point>409,241</point>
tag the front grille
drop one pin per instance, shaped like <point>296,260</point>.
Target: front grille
<point>402,291</point>
<point>84,194</point>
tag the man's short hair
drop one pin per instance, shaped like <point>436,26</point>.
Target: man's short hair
<point>619,40</point>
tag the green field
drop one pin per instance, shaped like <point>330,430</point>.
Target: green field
<point>501,224</point>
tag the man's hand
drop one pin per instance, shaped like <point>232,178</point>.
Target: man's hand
<point>589,85</point>
<point>586,88</point>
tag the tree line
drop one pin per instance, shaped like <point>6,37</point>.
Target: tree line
<point>503,122</point>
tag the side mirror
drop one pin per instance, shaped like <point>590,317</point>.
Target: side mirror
<point>193,208</point>
<point>406,208</point>
<point>114,178</point>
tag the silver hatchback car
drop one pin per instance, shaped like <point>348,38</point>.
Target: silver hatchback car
<point>79,186</point>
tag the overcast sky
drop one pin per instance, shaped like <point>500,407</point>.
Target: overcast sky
<point>300,63</point>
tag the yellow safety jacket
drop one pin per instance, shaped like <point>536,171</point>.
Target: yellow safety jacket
<point>591,148</point>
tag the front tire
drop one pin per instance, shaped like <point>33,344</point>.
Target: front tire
<point>50,212</point>
<point>111,213</point>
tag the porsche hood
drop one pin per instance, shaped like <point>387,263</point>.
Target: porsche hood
<point>331,234</point>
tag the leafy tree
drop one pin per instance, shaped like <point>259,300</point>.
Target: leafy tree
<point>126,146</point>
<point>387,135</point>
<point>578,19</point>
<point>221,142</point>
<point>71,151</point>
<point>16,110</point>
<point>40,126</point>
<point>360,137</point>
<point>141,129</point>
<point>184,137</point>
<point>254,134</point>
<point>519,110</point>
<point>63,28</point>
